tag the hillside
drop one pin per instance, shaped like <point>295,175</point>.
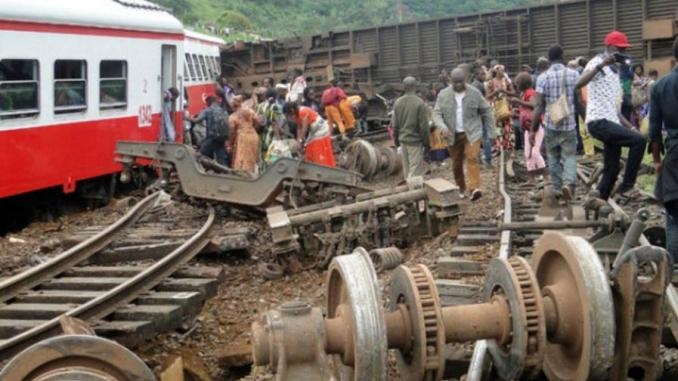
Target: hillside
<point>283,18</point>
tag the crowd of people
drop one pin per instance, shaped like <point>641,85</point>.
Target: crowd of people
<point>552,112</point>
<point>247,132</point>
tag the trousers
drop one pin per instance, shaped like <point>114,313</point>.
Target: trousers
<point>561,152</point>
<point>413,160</point>
<point>464,151</point>
<point>614,137</point>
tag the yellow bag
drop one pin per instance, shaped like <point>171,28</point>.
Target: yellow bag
<point>645,126</point>
<point>502,111</point>
<point>587,140</point>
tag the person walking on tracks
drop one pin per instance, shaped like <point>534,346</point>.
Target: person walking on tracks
<point>664,112</point>
<point>604,119</point>
<point>556,96</point>
<point>410,129</point>
<point>215,118</point>
<point>460,113</point>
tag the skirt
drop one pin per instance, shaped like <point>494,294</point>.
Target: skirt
<point>320,151</point>
<point>246,151</point>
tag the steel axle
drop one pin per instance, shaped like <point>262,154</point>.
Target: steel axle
<point>546,317</point>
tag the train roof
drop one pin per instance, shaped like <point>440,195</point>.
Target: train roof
<point>204,37</point>
<point>135,15</point>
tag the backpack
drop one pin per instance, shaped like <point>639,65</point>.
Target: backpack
<point>217,123</point>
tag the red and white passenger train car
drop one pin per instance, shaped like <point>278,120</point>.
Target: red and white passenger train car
<point>75,77</point>
<point>202,66</point>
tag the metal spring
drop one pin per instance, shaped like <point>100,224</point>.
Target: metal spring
<point>387,258</point>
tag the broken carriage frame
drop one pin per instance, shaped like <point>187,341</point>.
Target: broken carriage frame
<point>309,181</point>
<point>388,217</point>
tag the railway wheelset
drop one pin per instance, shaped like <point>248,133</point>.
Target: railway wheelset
<point>561,315</point>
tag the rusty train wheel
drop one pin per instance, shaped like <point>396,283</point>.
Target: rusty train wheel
<point>581,330</point>
<point>353,293</point>
<point>514,280</point>
<point>415,288</point>
<point>76,357</point>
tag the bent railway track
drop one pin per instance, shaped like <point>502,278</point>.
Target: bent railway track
<point>35,300</point>
<point>514,236</point>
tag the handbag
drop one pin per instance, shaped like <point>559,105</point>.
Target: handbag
<point>502,111</point>
<point>559,110</point>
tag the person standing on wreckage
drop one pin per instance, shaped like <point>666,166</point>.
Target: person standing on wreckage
<point>411,129</point>
<point>460,112</point>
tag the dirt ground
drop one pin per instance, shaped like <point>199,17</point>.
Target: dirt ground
<point>225,322</point>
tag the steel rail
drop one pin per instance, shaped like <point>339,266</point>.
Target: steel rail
<point>11,287</point>
<point>122,294</point>
<point>479,360</point>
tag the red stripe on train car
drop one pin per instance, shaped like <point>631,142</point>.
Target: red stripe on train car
<point>62,155</point>
<point>27,26</point>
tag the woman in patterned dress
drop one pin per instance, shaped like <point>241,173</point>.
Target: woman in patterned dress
<point>243,139</point>
<point>499,90</point>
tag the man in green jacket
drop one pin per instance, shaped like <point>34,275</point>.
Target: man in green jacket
<point>411,129</point>
<point>460,112</point>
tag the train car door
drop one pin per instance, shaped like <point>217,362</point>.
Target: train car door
<point>168,78</point>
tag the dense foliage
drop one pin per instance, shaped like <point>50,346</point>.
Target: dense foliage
<point>280,18</point>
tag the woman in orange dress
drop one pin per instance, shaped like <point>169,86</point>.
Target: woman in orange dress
<point>243,139</point>
<point>314,131</point>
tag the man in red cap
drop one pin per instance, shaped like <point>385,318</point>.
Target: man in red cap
<point>604,119</point>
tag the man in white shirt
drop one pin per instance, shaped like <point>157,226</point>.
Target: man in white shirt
<point>604,119</point>
<point>460,113</point>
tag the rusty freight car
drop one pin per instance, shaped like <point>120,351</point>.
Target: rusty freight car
<point>377,58</point>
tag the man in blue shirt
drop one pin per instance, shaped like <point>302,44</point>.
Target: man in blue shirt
<point>664,112</point>
<point>560,137</point>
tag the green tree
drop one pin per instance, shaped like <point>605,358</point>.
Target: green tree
<point>235,20</point>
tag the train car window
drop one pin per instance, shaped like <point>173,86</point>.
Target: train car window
<point>208,68</point>
<point>70,86</point>
<point>112,84</point>
<point>185,71</point>
<point>191,67</point>
<point>217,65</point>
<point>206,74</point>
<point>19,88</point>
<point>198,70</point>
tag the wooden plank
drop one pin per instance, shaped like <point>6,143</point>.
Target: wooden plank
<point>160,315</point>
<point>207,287</point>
<point>135,253</point>
<point>83,283</point>
<point>126,332</point>
<point>13,327</point>
<point>34,310</point>
<point>57,296</point>
<point>216,272</point>
<point>447,267</point>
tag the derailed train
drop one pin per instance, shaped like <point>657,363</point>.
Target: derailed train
<point>376,59</point>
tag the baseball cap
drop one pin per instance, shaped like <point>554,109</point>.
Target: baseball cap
<point>618,39</point>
